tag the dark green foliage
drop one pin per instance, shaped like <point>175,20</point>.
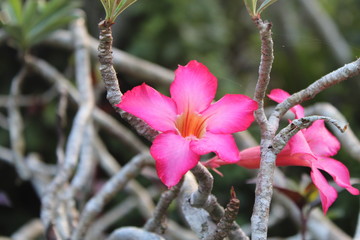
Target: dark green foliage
<point>29,22</point>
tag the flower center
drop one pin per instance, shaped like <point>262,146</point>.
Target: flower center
<point>191,124</point>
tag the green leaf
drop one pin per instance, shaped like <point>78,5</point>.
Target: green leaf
<point>122,6</point>
<point>38,19</point>
<point>264,5</point>
<point>30,12</point>
<point>113,8</point>
<point>52,17</point>
<point>251,7</point>
<point>15,10</point>
<point>106,5</point>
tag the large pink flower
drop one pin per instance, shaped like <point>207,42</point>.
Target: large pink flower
<point>189,124</point>
<point>311,147</point>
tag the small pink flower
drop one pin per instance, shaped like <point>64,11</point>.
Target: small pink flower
<point>189,124</point>
<point>311,147</point>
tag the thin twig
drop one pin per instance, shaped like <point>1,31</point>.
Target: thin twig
<point>80,121</point>
<point>226,222</point>
<point>203,219</point>
<point>50,74</point>
<point>96,204</point>
<point>112,215</point>
<point>31,230</point>
<point>60,125</point>
<point>6,155</point>
<point>131,233</point>
<point>264,185</point>
<point>267,58</point>
<point>16,126</point>
<point>123,62</point>
<point>348,139</point>
<point>202,198</point>
<point>282,138</point>
<point>112,167</point>
<point>156,223</point>
<point>112,85</point>
<point>31,100</point>
<point>347,71</point>
<point>205,181</point>
<point>83,178</point>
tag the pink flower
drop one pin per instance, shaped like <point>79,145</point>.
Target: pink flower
<point>189,124</point>
<point>311,147</point>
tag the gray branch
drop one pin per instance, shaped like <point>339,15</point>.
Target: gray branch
<point>282,138</point>
<point>264,184</point>
<point>78,128</point>
<point>96,204</point>
<point>132,233</point>
<point>156,223</point>
<point>348,139</point>
<point>349,70</point>
<point>266,61</point>
<point>16,126</point>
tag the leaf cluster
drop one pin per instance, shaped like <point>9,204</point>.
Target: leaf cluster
<point>28,22</point>
<point>251,6</point>
<point>113,8</point>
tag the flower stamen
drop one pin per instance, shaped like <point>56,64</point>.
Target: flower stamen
<point>191,124</point>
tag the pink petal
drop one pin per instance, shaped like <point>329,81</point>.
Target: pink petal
<point>173,157</point>
<point>328,193</point>
<point>297,159</point>
<point>222,144</point>
<point>194,87</point>
<point>298,144</point>
<point>338,171</point>
<point>296,152</point>
<point>158,110</point>
<point>279,95</point>
<point>232,113</point>
<point>250,158</point>
<point>320,140</point>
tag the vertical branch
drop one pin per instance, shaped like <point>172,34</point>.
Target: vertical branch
<point>205,180</point>
<point>106,64</point>
<point>16,127</point>
<point>156,223</point>
<point>267,58</point>
<point>226,222</point>
<point>61,123</point>
<point>202,198</point>
<point>87,164</point>
<point>264,185</point>
<point>111,82</point>
<point>83,80</point>
<point>96,204</point>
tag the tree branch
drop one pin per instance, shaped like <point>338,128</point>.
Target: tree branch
<point>282,138</point>
<point>82,117</point>
<point>349,70</point>
<point>131,233</point>
<point>348,139</point>
<point>16,126</point>
<point>112,85</point>
<point>123,62</point>
<point>226,222</point>
<point>156,223</point>
<point>267,58</point>
<point>264,187</point>
<point>96,204</point>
